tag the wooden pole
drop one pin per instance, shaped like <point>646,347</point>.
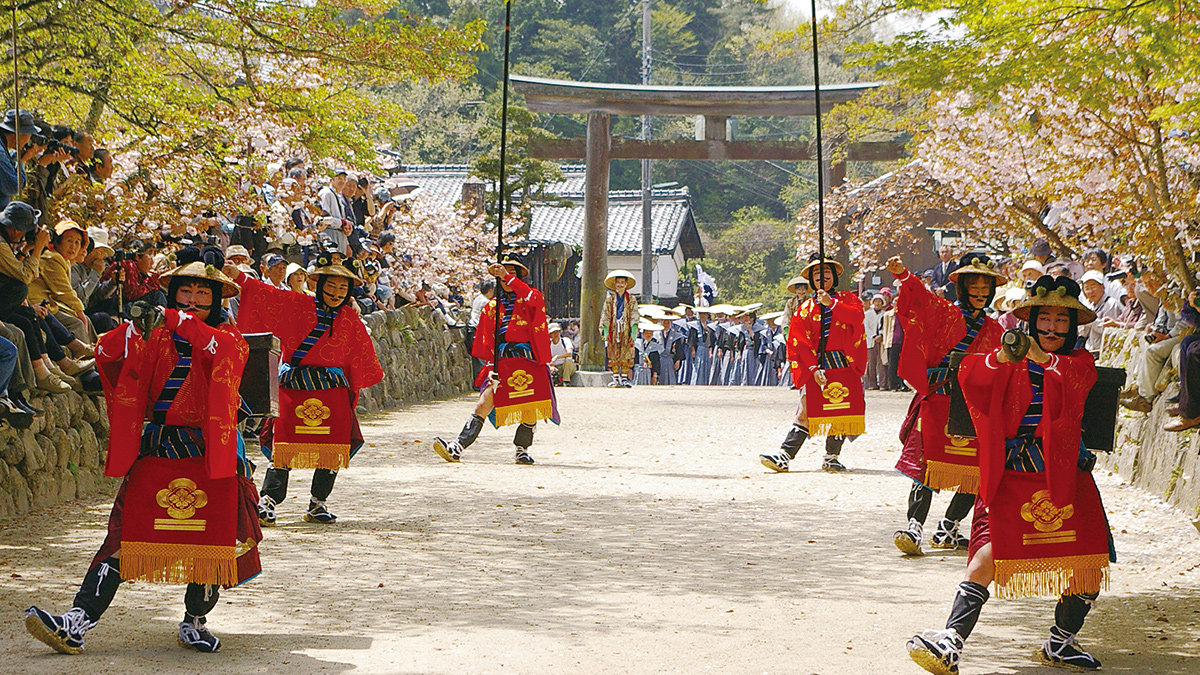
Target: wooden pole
<point>595,240</point>
<point>503,178</point>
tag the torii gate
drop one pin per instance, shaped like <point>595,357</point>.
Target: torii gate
<point>716,104</point>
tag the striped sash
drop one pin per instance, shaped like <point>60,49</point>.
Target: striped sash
<point>939,377</point>
<point>174,381</point>
<point>324,323</point>
<point>1025,451</point>
<point>830,360</point>
<point>507,301</point>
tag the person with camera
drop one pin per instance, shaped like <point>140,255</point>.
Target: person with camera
<point>327,358</point>
<point>1162,338</point>
<point>171,380</point>
<point>17,128</point>
<point>1039,526</point>
<point>129,277</point>
<point>53,284</point>
<point>20,264</point>
<point>935,328</point>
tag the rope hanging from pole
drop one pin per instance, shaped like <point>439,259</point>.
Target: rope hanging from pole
<point>503,180</point>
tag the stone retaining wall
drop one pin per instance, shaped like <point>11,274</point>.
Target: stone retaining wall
<point>1164,463</point>
<point>61,456</point>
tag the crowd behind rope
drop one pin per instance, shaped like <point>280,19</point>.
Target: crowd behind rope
<point>64,283</point>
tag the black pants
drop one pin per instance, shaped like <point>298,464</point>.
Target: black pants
<point>57,337</point>
<point>893,376</point>
<point>1189,376</point>
<point>26,321</point>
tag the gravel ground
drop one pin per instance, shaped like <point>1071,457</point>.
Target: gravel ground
<point>647,539</point>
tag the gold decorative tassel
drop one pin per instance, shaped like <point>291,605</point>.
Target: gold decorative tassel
<point>179,563</point>
<point>528,413</point>
<point>851,425</point>
<point>946,476</point>
<point>1052,576</point>
<point>330,456</point>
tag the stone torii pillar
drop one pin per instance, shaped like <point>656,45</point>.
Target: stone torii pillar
<point>594,266</point>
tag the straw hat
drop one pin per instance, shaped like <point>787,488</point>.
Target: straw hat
<point>977,263</point>
<point>325,266</point>
<point>815,261</point>
<point>199,270</point>
<point>770,316</point>
<point>795,282</point>
<point>650,326</point>
<point>752,307</point>
<point>522,270</point>
<point>611,280</point>
<point>1051,292</point>
<point>553,327</point>
<point>722,309</point>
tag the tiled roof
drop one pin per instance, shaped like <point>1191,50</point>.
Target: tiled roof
<point>443,182</point>
<point>669,215</point>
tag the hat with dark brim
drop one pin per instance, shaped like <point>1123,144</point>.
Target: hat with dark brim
<point>610,281</point>
<point>1051,292</point>
<point>19,123</point>
<point>20,216</point>
<point>202,272</point>
<point>977,263</point>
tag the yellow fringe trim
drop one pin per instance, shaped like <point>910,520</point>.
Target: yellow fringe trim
<point>947,476</point>
<point>179,563</point>
<point>1051,576</point>
<point>332,456</point>
<point>849,425</point>
<point>528,413</point>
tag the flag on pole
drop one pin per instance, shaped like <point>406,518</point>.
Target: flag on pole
<point>708,285</point>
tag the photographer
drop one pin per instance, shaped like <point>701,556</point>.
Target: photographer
<point>128,276</point>
<point>248,232</point>
<point>53,283</point>
<point>20,263</point>
<point>17,130</point>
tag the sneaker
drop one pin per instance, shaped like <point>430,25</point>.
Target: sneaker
<point>23,404</point>
<point>937,651</point>
<point>194,634</point>
<point>522,456</point>
<point>909,540</point>
<point>266,511</point>
<point>616,382</point>
<point>1062,651</point>
<point>64,634</point>
<point>832,465</point>
<point>451,452</point>
<point>777,463</point>
<point>947,536</point>
<point>317,513</point>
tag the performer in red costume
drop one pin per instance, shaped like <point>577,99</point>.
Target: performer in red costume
<point>934,328</point>
<point>1039,527</point>
<point>518,389</point>
<point>828,355</point>
<point>171,384</point>
<point>327,358</point>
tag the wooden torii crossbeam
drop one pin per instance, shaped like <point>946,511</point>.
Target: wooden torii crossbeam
<point>601,101</point>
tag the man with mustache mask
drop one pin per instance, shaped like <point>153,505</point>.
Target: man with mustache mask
<point>1039,526</point>
<point>935,328</point>
<point>171,381</point>
<point>327,358</point>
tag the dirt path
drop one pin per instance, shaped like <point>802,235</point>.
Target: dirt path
<point>647,539</point>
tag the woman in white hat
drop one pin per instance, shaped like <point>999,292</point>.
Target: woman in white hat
<point>618,326</point>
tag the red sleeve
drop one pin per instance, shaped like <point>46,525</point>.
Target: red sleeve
<point>932,326</point>
<point>362,363</point>
<point>802,352</point>
<point>985,383</point>
<point>266,309</point>
<point>541,338</point>
<point>848,311</point>
<point>484,346</point>
<point>1069,378</point>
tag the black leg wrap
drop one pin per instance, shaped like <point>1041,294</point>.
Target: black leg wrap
<point>795,438</point>
<point>275,484</point>
<point>960,506</point>
<point>322,483</point>
<point>470,431</point>
<point>833,445</point>
<point>1071,610</point>
<point>968,603</point>
<point>920,498</point>
<point>199,599</point>
<point>99,587</point>
<point>524,436</point>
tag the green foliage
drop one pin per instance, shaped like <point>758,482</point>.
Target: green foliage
<point>751,260</point>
